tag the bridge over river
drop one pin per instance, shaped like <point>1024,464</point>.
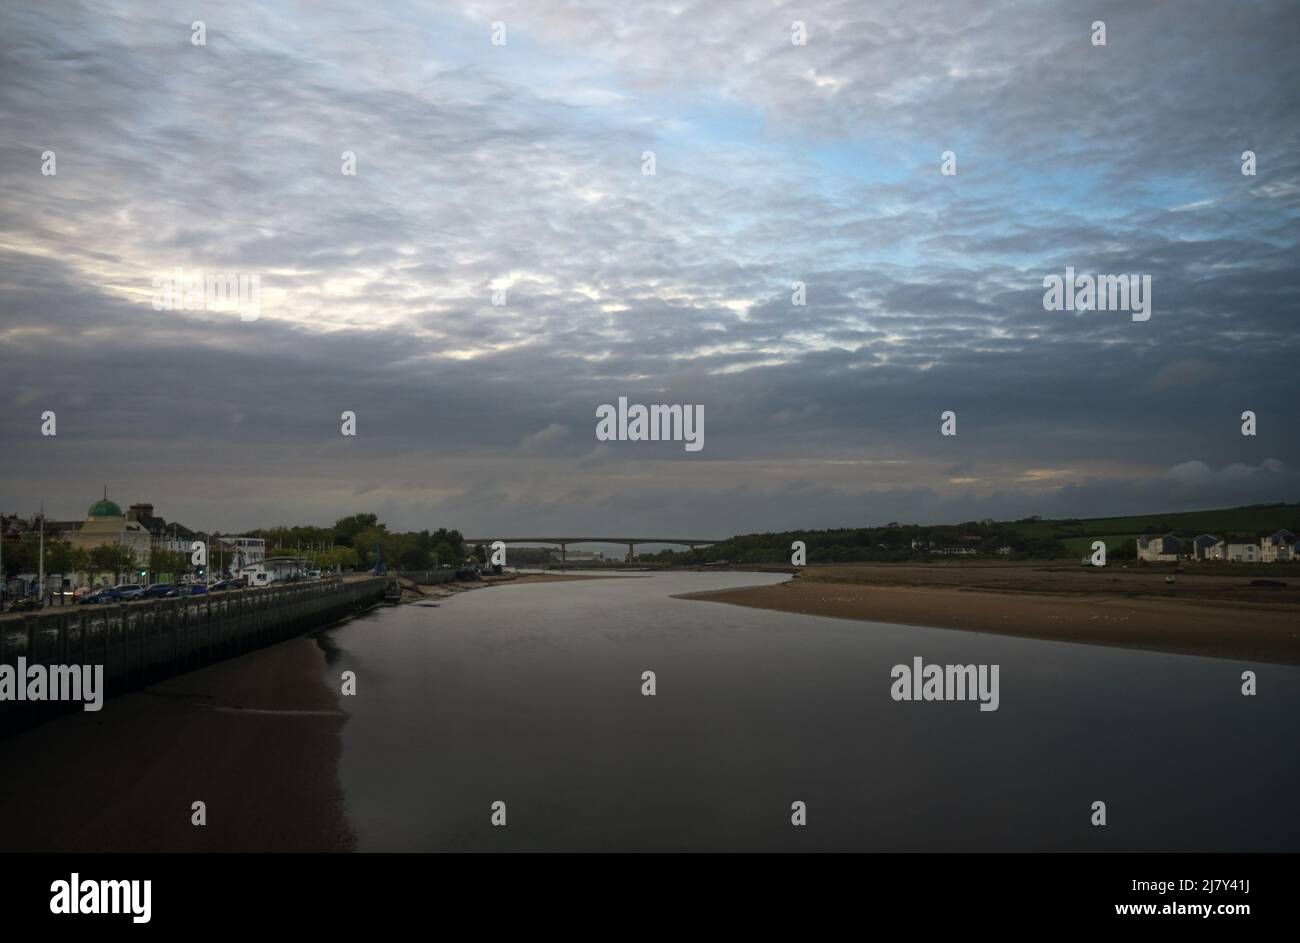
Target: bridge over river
<point>629,542</point>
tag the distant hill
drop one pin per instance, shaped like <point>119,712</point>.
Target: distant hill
<point>1029,538</point>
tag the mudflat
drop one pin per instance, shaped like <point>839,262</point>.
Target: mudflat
<point>256,738</point>
<point>1212,614</point>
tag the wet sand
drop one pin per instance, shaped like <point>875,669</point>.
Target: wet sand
<point>1217,619</point>
<point>124,778</point>
<point>256,738</point>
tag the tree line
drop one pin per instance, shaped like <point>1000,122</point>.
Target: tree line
<point>354,542</point>
<point>890,543</point>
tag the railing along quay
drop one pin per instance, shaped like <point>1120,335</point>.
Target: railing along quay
<point>142,642</point>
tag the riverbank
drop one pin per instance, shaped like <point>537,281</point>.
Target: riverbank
<point>256,738</point>
<point>415,593</point>
<point>1220,617</point>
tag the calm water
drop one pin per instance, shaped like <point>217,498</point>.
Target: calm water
<point>532,695</point>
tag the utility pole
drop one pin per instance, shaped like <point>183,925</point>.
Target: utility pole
<point>40,570</point>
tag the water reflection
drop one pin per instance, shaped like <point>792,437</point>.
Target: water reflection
<point>532,695</point>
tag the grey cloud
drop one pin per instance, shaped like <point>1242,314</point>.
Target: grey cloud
<point>519,168</point>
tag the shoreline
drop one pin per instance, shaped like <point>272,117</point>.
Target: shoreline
<point>1249,631</point>
<point>413,593</point>
<point>123,779</point>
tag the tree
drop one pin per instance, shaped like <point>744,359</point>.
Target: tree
<point>453,540</point>
<point>339,558</point>
<point>80,560</point>
<point>112,558</point>
<point>171,562</point>
<point>1125,551</point>
<point>58,557</point>
<point>414,557</point>
<point>365,541</point>
<point>16,557</point>
<point>346,529</point>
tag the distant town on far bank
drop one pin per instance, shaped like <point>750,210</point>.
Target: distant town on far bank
<point>1262,533</point>
<point>111,544</point>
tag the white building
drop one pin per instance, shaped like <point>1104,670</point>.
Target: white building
<point>273,569</point>
<point>1277,546</point>
<point>245,551</point>
<point>1203,546</point>
<point>1244,553</point>
<point>1156,549</point>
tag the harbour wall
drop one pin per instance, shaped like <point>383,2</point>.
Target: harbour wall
<point>139,643</point>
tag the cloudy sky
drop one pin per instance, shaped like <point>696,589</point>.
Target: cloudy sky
<point>519,167</point>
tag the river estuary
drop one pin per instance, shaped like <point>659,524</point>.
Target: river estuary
<point>531,695</point>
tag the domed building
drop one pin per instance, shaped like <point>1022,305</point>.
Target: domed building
<point>104,508</point>
<point>106,524</point>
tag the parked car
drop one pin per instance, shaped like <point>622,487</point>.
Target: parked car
<point>226,584</point>
<point>158,591</point>
<point>128,591</point>
<point>313,574</point>
<point>104,594</point>
<point>198,589</point>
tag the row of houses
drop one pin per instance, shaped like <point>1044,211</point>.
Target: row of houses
<point>1278,546</point>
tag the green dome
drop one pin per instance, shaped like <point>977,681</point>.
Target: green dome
<point>104,508</point>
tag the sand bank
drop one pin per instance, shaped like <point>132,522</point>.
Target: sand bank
<point>1213,620</point>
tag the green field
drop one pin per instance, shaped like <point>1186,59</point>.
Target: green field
<point>1078,534</point>
<point>1081,546</point>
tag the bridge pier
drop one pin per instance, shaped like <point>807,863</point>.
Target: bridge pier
<point>631,552</point>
